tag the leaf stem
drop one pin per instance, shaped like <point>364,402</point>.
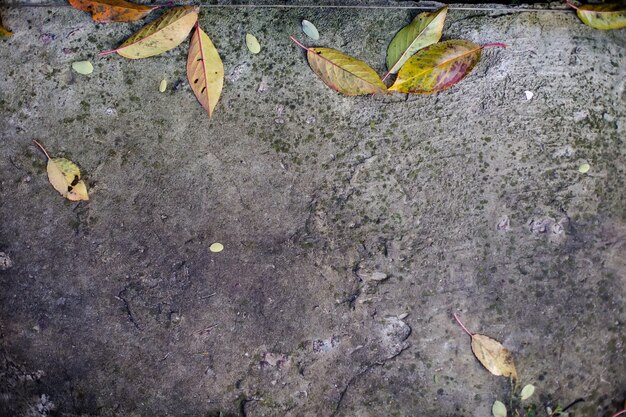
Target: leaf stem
<point>40,146</point>
<point>576,8</point>
<point>494,45</point>
<point>462,325</point>
<point>107,52</point>
<point>298,43</point>
<point>386,75</point>
<point>620,413</point>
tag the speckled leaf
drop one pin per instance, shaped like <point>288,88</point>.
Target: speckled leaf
<point>4,32</point>
<point>424,30</point>
<point>105,11</point>
<point>437,67</point>
<point>161,35</point>
<point>205,70</point>
<point>64,176</point>
<point>495,357</point>
<point>602,16</point>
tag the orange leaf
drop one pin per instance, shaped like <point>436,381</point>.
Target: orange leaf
<point>106,11</point>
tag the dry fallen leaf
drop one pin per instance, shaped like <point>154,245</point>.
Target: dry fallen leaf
<point>64,176</point>
<point>216,247</point>
<point>438,67</point>
<point>602,16</point>
<point>4,32</point>
<point>491,354</point>
<point>82,67</point>
<point>105,11</point>
<point>527,392</point>
<point>161,35</point>
<point>498,409</point>
<point>343,73</point>
<point>424,30</point>
<point>253,43</point>
<point>205,70</point>
<point>310,30</point>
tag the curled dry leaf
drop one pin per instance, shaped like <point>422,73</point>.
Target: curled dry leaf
<point>64,176</point>
<point>161,35</point>
<point>205,70</point>
<point>105,11</point>
<point>253,44</point>
<point>498,409</point>
<point>4,32</point>
<point>602,16</point>
<point>343,73</point>
<point>438,67</point>
<point>424,30</point>
<point>491,354</point>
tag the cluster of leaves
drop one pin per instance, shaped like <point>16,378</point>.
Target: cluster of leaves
<point>423,64</point>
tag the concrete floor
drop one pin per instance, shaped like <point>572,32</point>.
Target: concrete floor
<point>338,215</point>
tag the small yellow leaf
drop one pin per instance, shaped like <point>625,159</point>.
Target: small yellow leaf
<point>495,357</point>
<point>253,43</point>
<point>82,67</point>
<point>527,391</point>
<point>216,247</point>
<point>163,86</point>
<point>498,409</point>
<point>64,176</point>
<point>584,168</point>
<point>205,71</point>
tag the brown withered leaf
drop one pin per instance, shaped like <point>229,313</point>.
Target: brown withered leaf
<point>495,357</point>
<point>106,11</point>
<point>491,354</point>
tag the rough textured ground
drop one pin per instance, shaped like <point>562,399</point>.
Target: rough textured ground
<point>467,201</point>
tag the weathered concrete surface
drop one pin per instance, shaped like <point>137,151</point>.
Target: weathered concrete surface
<point>469,200</point>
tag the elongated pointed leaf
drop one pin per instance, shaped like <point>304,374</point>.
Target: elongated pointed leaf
<point>165,33</point>
<point>105,11</point>
<point>205,70</point>
<point>424,30</point>
<point>603,16</point>
<point>437,67</point>
<point>343,73</point>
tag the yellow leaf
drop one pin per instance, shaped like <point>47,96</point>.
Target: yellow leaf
<point>64,176</point>
<point>495,357</point>
<point>498,409</point>
<point>161,35</point>
<point>82,67</point>
<point>4,32</point>
<point>163,85</point>
<point>491,354</point>
<point>253,44</point>
<point>343,73</point>
<point>216,247</point>
<point>602,16</point>
<point>205,70</point>
<point>527,392</point>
